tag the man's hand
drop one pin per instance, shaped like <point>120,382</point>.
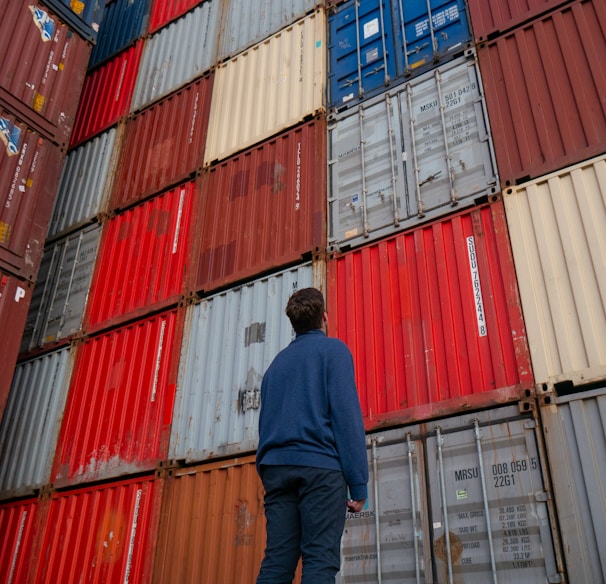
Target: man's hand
<point>355,506</point>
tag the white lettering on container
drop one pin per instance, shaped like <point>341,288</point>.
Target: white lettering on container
<point>133,531</point>
<point>158,359</point>
<point>17,547</point>
<point>477,288</point>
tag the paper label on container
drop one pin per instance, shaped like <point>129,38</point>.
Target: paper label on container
<point>371,28</point>
<point>477,289</point>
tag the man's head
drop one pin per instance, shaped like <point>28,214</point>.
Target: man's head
<point>306,311</point>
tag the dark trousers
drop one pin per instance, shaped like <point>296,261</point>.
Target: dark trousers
<point>305,511</point>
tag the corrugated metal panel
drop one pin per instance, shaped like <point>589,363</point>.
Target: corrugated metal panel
<point>265,90</point>
<point>84,16</point>
<point>249,22</point>
<point>230,339</point>
<point>30,167</point>
<point>212,526</point>
<point>43,64</point>
<point>124,21</point>
<point>575,437</point>
<point>545,98</point>
<point>178,53</point>
<point>100,534</point>
<point>476,477</point>
<point>17,522</point>
<point>143,259</point>
<point>432,318</point>
<point>163,12</point>
<point>373,43</point>
<point>119,408</point>
<point>29,430</point>
<point>263,209</point>
<point>558,236</point>
<point>85,182</point>
<point>410,154</point>
<point>107,94</point>
<point>163,144</point>
<point>15,298</point>
<point>57,307</point>
<point>490,19</point>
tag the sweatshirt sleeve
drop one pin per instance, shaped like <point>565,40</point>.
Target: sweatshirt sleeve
<point>347,423</point>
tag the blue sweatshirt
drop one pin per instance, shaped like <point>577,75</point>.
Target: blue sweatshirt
<point>310,411</point>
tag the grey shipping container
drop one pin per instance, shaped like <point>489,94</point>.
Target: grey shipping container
<point>415,152</point>
<point>575,437</point>
<point>85,182</point>
<point>59,298</point>
<point>29,430</point>
<point>178,53</point>
<point>460,500</point>
<point>229,340</point>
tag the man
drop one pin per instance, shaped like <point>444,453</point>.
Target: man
<point>311,450</point>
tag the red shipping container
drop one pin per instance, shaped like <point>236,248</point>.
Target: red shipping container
<point>143,259</point>
<point>107,94</point>
<point>30,168</point>
<point>489,19</point>
<point>163,12</point>
<point>264,208</point>
<point>545,84</point>
<point>99,534</point>
<point>433,318</point>
<point>43,64</point>
<point>17,526</point>
<point>120,402</point>
<point>163,144</point>
<point>15,298</point>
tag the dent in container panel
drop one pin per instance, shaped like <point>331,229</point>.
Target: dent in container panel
<point>29,429</point>
<point>545,84</point>
<point>180,52</point>
<point>163,144</point>
<point>106,94</point>
<point>105,532</point>
<point>43,65</point>
<point>418,151</point>
<point>57,308</point>
<point>558,236</point>
<point>30,167</point>
<point>143,259</point>
<point>120,401</point>
<point>263,209</point>
<point>433,318</point>
<point>229,341</point>
<point>84,16</point>
<point>17,525</point>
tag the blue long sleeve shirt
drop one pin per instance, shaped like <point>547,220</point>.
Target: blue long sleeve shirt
<point>310,411</point>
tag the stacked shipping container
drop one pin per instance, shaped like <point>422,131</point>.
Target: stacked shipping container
<point>401,157</point>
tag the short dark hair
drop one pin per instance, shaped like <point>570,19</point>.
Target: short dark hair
<point>305,309</point>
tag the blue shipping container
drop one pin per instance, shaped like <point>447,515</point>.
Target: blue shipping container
<point>124,21</point>
<point>376,42</point>
<point>83,16</point>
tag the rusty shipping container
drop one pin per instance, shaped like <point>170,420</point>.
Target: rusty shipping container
<point>144,258</point>
<point>106,94</point>
<point>43,66</point>
<point>103,534</point>
<point>120,402</point>
<point>264,208</point>
<point>163,144</point>
<point>30,167</point>
<point>545,97</point>
<point>433,318</point>
<point>15,298</point>
<point>558,236</point>
<point>17,525</point>
<point>212,526</point>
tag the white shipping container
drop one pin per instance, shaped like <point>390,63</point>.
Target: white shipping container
<point>557,226</point>
<point>274,85</point>
<point>229,341</point>
<point>416,152</point>
<point>31,422</point>
<point>85,183</point>
<point>178,53</point>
